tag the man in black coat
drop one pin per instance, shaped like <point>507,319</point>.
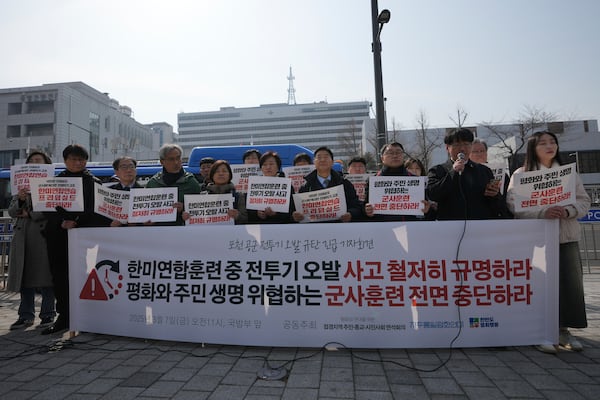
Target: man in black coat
<point>324,177</point>
<point>75,158</point>
<point>462,188</point>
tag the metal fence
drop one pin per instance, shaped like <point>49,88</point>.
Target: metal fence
<point>589,245</point>
<point>6,232</point>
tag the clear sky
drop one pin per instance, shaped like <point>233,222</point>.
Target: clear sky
<point>489,57</point>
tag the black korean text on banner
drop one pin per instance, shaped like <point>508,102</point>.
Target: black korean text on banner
<point>241,172</point>
<point>20,175</point>
<point>360,182</point>
<point>397,195</point>
<point>297,174</point>
<point>111,203</point>
<point>536,190</point>
<point>49,193</point>
<point>155,205</point>
<point>322,205</point>
<point>208,208</point>
<point>268,191</point>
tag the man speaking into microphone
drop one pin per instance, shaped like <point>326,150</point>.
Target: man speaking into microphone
<point>462,188</point>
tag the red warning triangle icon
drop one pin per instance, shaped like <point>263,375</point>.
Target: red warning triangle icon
<point>93,290</point>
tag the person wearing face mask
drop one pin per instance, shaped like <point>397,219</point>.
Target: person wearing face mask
<point>462,188</point>
<point>28,267</point>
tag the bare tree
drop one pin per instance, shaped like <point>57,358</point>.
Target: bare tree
<point>393,136</point>
<point>426,140</point>
<point>512,140</point>
<point>350,140</point>
<point>461,116</point>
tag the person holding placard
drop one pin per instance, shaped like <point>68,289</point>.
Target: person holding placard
<point>324,177</point>
<point>463,189</point>
<point>126,171</point>
<point>543,154</point>
<point>75,158</point>
<point>392,159</point>
<point>220,183</point>
<point>270,165</point>
<point>28,267</point>
<point>173,175</point>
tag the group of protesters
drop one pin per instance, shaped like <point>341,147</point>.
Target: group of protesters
<point>463,188</point>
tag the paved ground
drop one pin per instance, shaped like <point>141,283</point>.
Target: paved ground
<point>92,366</point>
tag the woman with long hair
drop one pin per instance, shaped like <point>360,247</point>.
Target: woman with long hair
<point>543,153</point>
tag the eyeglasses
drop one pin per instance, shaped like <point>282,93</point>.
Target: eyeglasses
<point>392,153</point>
<point>127,166</point>
<point>172,159</point>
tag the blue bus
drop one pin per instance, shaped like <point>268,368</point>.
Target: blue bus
<point>234,154</point>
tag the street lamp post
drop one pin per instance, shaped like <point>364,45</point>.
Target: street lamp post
<point>576,155</point>
<point>89,132</point>
<point>378,20</point>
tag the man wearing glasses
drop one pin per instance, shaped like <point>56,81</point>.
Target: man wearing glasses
<point>462,188</point>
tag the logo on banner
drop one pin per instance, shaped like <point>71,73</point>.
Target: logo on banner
<point>482,322</point>
<point>103,282</point>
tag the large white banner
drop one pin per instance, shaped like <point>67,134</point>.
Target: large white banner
<point>380,286</point>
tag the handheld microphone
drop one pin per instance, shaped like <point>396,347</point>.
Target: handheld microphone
<point>460,156</point>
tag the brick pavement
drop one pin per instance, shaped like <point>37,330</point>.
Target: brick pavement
<point>92,366</point>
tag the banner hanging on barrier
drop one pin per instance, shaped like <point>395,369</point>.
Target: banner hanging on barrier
<point>363,285</point>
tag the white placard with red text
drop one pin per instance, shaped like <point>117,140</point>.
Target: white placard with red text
<point>49,193</point>
<point>536,190</point>
<point>269,191</point>
<point>111,203</point>
<point>208,208</point>
<point>241,172</point>
<point>397,195</point>
<point>380,286</point>
<point>155,205</point>
<point>20,175</point>
<point>360,182</point>
<point>297,174</point>
<point>321,205</point>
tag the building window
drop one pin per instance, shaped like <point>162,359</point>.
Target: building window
<point>14,108</point>
<point>94,133</point>
<point>556,127</point>
<point>39,130</point>
<point>13,131</point>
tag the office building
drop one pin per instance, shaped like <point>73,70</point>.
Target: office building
<point>342,127</point>
<point>51,116</point>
